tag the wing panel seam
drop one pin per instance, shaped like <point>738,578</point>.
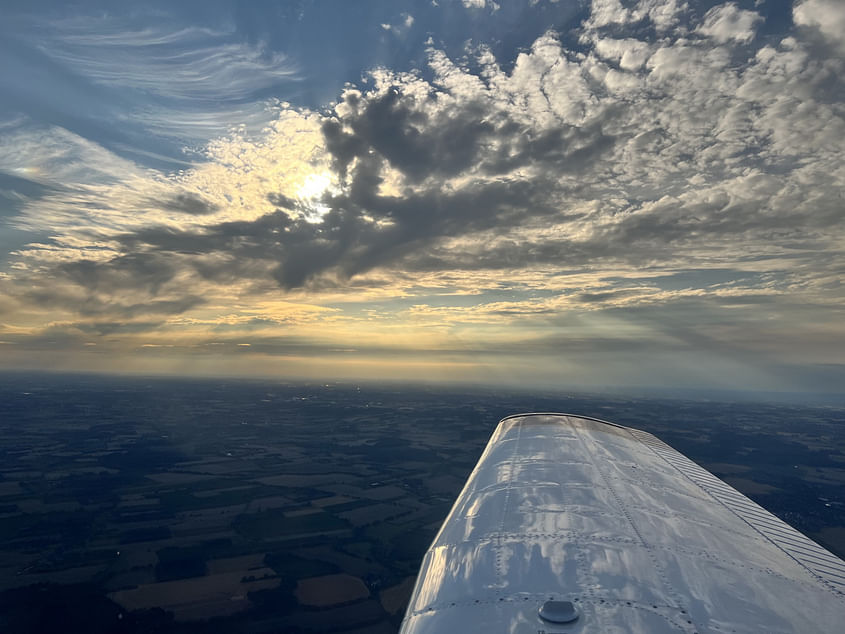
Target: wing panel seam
<point>687,467</point>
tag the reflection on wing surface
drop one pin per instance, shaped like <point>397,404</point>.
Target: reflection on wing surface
<point>635,535</point>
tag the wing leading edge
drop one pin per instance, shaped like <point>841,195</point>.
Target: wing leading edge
<point>635,536</point>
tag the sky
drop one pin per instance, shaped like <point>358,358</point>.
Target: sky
<point>521,192</point>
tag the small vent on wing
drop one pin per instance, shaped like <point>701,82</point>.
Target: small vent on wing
<point>558,612</point>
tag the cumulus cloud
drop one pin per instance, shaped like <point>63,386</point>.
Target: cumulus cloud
<point>727,22</point>
<point>480,4</point>
<point>662,14</point>
<point>402,26</point>
<point>629,54</point>
<point>827,16</point>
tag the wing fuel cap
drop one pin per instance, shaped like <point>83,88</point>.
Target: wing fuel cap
<point>558,612</point>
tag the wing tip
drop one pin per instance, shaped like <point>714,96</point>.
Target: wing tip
<point>551,415</point>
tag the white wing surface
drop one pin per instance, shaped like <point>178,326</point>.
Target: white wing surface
<point>576,517</point>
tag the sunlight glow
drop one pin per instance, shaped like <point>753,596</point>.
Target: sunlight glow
<point>311,193</point>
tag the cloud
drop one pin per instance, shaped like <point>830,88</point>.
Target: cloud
<point>167,60</point>
<point>420,162</point>
<point>484,200</point>
<point>727,22</point>
<point>187,203</point>
<point>149,74</point>
<point>662,14</point>
<point>630,54</point>
<point>480,4</point>
<point>827,16</point>
<point>56,157</point>
<point>401,27</point>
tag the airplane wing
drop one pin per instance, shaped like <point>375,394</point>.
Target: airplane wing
<point>572,524</point>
